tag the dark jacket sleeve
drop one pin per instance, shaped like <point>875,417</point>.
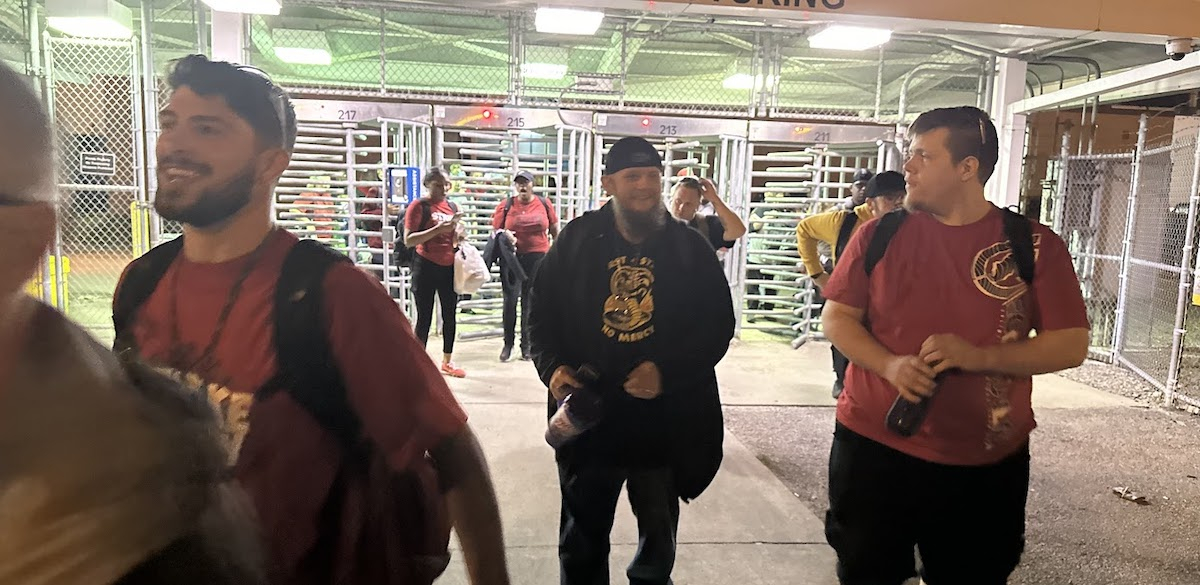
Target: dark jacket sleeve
<point>689,358</point>
<point>547,319</point>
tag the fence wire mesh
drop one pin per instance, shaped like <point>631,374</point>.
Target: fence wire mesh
<point>1154,271</point>
<point>94,93</point>
<point>1090,212</point>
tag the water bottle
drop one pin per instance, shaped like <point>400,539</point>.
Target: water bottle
<point>578,412</point>
<point>905,418</point>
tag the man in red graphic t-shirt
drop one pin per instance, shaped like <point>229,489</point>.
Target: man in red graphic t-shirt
<point>529,221</point>
<point>227,136</point>
<point>943,320</point>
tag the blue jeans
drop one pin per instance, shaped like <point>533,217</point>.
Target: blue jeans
<point>589,503</point>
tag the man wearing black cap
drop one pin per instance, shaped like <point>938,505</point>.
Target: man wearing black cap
<point>858,190</point>
<point>643,301</point>
<point>883,193</point>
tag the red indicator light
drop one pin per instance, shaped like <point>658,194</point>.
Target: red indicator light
<point>646,122</point>
<point>487,114</point>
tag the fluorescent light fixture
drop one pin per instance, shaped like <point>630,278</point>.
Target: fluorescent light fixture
<point>739,81</point>
<point>270,7</point>
<point>543,70</point>
<point>90,18</point>
<point>302,47</point>
<point>568,21</point>
<point>849,38</point>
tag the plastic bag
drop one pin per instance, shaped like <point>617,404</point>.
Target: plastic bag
<point>470,272</point>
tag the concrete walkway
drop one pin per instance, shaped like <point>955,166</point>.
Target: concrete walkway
<point>748,528</point>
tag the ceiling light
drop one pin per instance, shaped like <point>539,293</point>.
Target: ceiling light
<point>302,47</point>
<point>849,38</point>
<point>543,70</point>
<point>90,18</point>
<point>568,21</point>
<point>270,7</point>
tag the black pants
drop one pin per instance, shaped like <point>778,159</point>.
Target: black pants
<point>529,263</point>
<point>968,523</point>
<point>428,279</point>
<point>589,503</point>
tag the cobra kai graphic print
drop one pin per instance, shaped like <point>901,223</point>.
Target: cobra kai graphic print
<point>629,309</point>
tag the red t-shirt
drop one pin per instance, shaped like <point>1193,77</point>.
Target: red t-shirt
<point>529,221</point>
<point>439,250</point>
<point>963,280</point>
<point>287,461</point>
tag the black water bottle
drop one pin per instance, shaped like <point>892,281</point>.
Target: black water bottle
<point>578,412</point>
<point>905,418</point>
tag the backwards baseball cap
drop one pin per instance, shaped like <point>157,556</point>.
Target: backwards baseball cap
<point>862,176</point>
<point>885,183</point>
<point>528,176</point>
<point>632,152</point>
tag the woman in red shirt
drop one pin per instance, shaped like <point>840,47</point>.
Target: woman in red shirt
<point>530,221</point>
<point>431,225</point>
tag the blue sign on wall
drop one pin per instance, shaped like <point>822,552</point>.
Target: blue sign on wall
<point>403,184</point>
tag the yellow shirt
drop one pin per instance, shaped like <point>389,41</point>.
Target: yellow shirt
<point>824,227</point>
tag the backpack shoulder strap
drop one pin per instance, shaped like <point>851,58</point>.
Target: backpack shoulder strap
<point>508,203</point>
<point>139,283</point>
<point>1019,232</point>
<point>844,234</point>
<point>884,232</point>
<point>546,205</point>
<point>307,370</point>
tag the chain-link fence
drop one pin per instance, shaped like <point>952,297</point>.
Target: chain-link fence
<point>1089,212</point>
<point>1130,222</point>
<point>95,105</point>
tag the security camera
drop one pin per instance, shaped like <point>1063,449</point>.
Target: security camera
<point>1177,49</point>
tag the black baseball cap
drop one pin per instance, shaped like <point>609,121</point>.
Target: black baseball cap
<point>885,183</point>
<point>632,152</point>
<point>528,176</point>
<point>862,175</point>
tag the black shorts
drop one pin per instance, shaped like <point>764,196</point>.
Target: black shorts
<point>967,523</point>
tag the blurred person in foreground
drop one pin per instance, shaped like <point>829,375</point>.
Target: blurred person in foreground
<point>355,471</point>
<point>111,472</point>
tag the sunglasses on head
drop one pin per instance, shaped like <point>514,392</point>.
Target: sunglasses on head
<point>277,99</point>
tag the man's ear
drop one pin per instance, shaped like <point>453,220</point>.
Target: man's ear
<point>968,169</point>
<point>273,162</point>
<point>606,183</point>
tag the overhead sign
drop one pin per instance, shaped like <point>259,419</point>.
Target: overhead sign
<point>97,163</point>
<point>667,126</point>
<point>1174,18</point>
<point>507,118</point>
<point>799,132</point>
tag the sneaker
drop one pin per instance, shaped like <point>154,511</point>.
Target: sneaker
<point>453,371</point>
<point>525,355</point>
<point>506,353</point>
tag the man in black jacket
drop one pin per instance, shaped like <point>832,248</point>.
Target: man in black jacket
<point>644,301</point>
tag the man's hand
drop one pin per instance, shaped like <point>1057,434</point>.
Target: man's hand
<point>645,382</point>
<point>911,377</point>
<point>708,190</point>
<point>948,351</point>
<point>821,279</point>
<point>563,382</point>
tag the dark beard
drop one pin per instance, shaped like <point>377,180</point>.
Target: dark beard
<point>214,205</point>
<point>640,225</point>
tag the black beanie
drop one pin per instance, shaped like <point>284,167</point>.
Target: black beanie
<point>885,183</point>
<point>632,152</point>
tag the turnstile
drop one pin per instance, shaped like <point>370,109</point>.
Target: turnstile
<point>796,170</point>
<point>481,148</point>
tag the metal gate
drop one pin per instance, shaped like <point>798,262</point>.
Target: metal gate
<point>335,188</point>
<point>796,171</point>
<point>481,148</point>
<point>95,104</point>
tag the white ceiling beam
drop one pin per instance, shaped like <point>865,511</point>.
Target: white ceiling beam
<point>1144,81</point>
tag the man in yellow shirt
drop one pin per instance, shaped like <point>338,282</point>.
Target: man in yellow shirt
<point>885,193</point>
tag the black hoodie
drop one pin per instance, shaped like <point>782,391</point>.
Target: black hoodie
<point>600,300</point>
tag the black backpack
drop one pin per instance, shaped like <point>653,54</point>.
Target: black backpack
<point>414,524</point>
<point>844,234</point>
<point>402,255</point>
<point>1016,229</point>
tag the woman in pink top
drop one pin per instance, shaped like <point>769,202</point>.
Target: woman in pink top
<point>529,221</point>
